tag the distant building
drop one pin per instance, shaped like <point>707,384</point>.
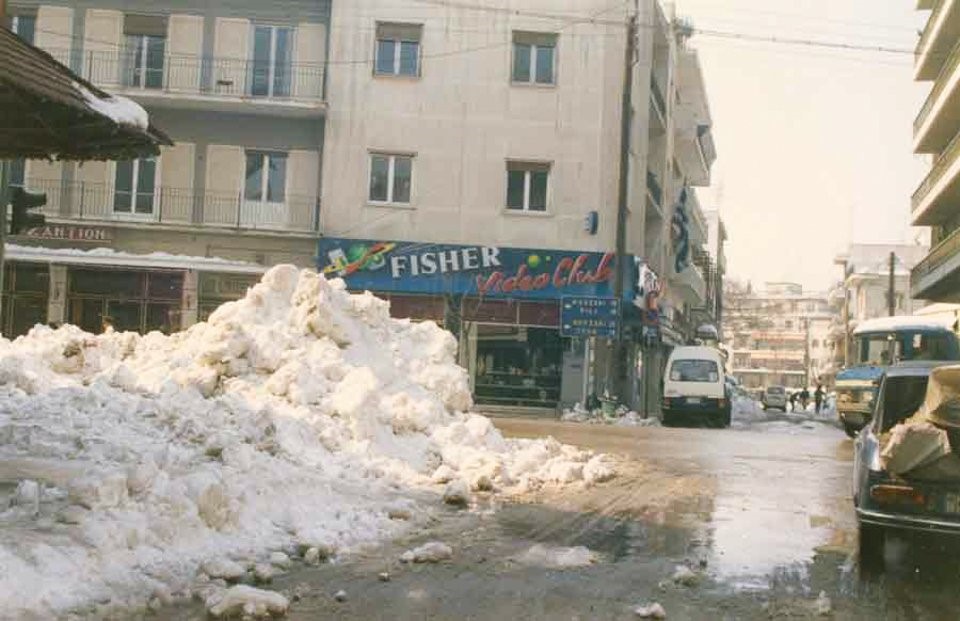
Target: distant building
<point>777,336</point>
<point>936,202</point>
<point>866,288</point>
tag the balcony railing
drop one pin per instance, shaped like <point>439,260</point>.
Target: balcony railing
<point>193,75</point>
<point>658,96</point>
<point>938,87</point>
<point>653,186</point>
<point>928,31</point>
<point>950,154</point>
<point>176,206</point>
<point>939,255</point>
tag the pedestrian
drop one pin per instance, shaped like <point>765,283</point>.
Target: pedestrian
<point>793,401</point>
<point>106,324</point>
<point>804,398</point>
<point>818,397</point>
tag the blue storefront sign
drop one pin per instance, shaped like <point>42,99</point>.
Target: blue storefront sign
<point>483,271</point>
<point>586,316</point>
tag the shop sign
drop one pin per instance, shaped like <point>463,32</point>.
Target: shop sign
<point>585,316</point>
<point>69,232</point>
<point>484,271</point>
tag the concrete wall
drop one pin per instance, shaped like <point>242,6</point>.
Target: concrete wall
<point>462,119</point>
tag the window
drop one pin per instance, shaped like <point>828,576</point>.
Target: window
<point>527,186</point>
<point>146,46</point>
<point>134,187</point>
<point>266,178</point>
<point>534,57</point>
<point>270,71</point>
<point>18,173</point>
<point>694,371</point>
<point>24,26</point>
<point>398,49</point>
<point>391,177</point>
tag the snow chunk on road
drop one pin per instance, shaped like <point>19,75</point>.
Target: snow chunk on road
<point>558,558</point>
<point>247,601</point>
<point>432,552</point>
<point>300,414</point>
<point>650,611</point>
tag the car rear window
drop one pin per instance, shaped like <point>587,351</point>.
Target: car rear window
<point>694,371</point>
<point>902,397</point>
<point>775,390</point>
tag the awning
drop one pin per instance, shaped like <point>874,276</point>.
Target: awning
<point>106,257</point>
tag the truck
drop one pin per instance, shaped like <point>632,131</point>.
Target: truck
<point>879,344</point>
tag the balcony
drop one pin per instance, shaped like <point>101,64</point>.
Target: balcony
<point>218,84</point>
<point>941,32</point>
<point>691,286</point>
<point>658,102</point>
<point>940,189</point>
<point>654,194</point>
<point>937,277</point>
<point>939,118</point>
<point>176,207</point>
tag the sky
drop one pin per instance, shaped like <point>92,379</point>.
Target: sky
<point>814,144</point>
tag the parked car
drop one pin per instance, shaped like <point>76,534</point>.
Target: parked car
<point>774,397</point>
<point>883,501</point>
<point>695,387</point>
<point>878,344</point>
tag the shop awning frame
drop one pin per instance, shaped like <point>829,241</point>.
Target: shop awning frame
<point>105,257</point>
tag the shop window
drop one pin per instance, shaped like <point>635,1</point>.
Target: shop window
<point>527,186</point>
<point>24,25</point>
<point>164,285</point>
<point>163,317</point>
<point>134,187</point>
<point>534,58</point>
<point>398,49</point>
<point>271,69</point>
<point>391,178</point>
<point>518,365</point>
<point>106,282</point>
<point>146,42</point>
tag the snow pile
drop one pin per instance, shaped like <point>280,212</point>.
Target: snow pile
<point>623,417</point>
<point>301,417</point>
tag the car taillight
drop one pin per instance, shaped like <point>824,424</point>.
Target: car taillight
<point>897,495</point>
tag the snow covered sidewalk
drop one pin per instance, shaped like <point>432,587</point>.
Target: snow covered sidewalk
<point>299,417</point>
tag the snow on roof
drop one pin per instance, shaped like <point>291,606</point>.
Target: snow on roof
<point>121,110</point>
<point>901,322</point>
<point>114,258</point>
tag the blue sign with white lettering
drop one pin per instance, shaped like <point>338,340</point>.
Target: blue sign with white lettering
<point>482,271</point>
<point>585,316</point>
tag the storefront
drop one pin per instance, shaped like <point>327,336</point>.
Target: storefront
<point>137,293</point>
<point>503,303</point>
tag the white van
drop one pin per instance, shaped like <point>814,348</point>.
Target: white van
<point>694,387</point>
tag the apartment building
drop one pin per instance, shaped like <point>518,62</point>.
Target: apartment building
<point>472,160</point>
<point>936,133</point>
<point>779,336</point>
<point>157,243</point>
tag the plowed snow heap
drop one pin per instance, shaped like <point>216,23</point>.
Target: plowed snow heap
<point>299,416</point>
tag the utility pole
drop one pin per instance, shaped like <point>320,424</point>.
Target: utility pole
<point>891,287</point>
<point>616,362</point>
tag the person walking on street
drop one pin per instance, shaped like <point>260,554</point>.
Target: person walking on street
<point>818,397</point>
<point>804,398</point>
<point>793,401</point>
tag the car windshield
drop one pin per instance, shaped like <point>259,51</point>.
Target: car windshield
<point>694,371</point>
<point>775,390</point>
<point>882,349</point>
<point>875,349</point>
<point>902,397</point>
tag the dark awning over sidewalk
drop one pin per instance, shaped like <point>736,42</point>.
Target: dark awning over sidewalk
<point>48,112</point>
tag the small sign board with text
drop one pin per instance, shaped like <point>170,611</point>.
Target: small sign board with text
<point>589,316</point>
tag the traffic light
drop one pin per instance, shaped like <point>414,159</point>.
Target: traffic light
<point>22,202</point>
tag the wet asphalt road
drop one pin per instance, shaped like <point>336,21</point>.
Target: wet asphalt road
<point>762,512</point>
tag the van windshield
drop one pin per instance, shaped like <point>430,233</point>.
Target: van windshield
<point>694,371</point>
<point>885,348</point>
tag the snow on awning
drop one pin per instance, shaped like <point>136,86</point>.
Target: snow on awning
<point>107,257</point>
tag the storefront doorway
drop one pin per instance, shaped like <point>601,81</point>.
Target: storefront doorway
<point>518,366</point>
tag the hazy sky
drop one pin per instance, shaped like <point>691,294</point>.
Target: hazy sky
<point>814,144</point>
